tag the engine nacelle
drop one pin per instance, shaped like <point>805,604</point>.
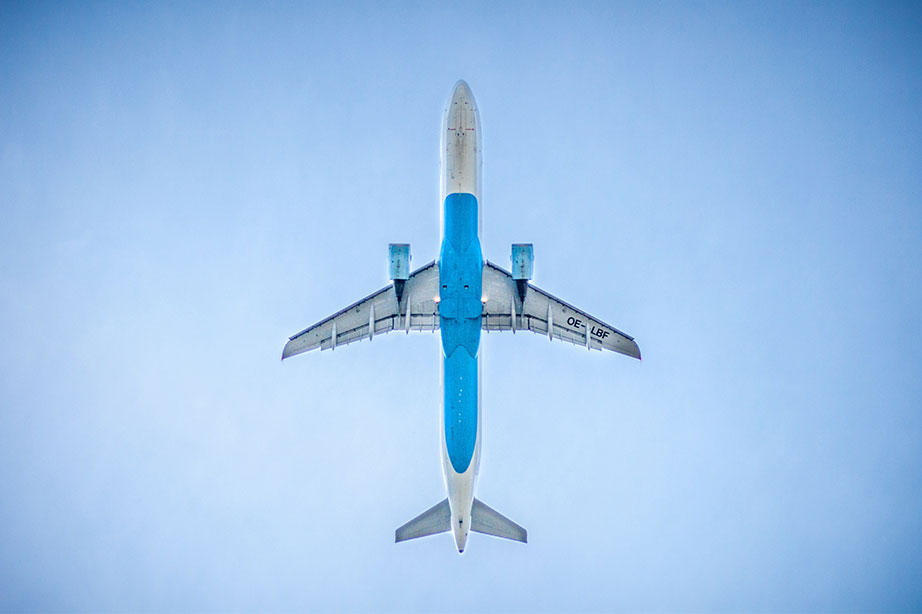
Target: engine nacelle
<point>523,266</point>
<point>523,260</point>
<point>399,256</point>
<point>399,266</point>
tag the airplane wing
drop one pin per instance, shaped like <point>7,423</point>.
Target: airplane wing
<point>547,315</point>
<point>376,314</point>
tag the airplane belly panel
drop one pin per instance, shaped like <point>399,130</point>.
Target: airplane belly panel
<point>460,408</point>
<point>460,311</point>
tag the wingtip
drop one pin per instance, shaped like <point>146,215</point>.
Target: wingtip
<point>288,351</point>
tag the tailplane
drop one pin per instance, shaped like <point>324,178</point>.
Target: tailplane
<point>436,519</point>
<point>485,519</point>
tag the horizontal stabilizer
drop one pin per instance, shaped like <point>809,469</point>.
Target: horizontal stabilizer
<point>436,519</point>
<point>485,519</point>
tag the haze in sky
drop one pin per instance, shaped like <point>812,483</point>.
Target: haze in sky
<point>737,185</point>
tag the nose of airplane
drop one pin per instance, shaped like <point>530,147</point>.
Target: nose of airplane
<point>462,92</point>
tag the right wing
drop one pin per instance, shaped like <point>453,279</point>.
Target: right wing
<point>376,314</point>
<point>546,314</point>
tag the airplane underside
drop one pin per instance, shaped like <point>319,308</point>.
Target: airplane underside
<point>459,295</point>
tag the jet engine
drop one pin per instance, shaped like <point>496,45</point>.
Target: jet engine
<point>399,266</point>
<point>523,266</point>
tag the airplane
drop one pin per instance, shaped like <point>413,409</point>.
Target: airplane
<point>460,294</point>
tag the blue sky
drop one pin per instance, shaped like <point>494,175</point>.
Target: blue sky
<point>735,185</point>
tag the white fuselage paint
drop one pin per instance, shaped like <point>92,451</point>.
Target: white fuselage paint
<point>460,173</point>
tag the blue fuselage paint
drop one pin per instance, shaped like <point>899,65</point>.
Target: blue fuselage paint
<point>460,310</point>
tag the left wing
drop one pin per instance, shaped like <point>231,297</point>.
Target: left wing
<point>546,314</point>
<point>376,314</point>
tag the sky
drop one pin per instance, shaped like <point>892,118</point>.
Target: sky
<point>736,185</point>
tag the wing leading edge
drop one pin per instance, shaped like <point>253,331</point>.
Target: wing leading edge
<point>546,314</point>
<point>376,314</point>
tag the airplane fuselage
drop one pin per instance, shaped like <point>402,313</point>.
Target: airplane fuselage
<point>460,308</point>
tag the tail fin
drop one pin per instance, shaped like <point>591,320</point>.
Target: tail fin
<point>436,519</point>
<point>486,520</point>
